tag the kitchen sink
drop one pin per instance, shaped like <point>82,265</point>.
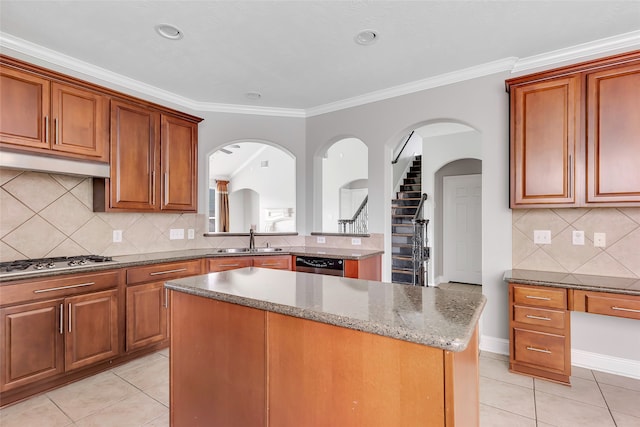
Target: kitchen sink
<point>233,250</point>
<point>246,250</point>
<point>266,249</point>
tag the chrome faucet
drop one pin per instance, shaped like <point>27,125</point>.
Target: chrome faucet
<point>252,240</point>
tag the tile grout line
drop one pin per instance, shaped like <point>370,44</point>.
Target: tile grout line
<point>605,400</point>
<point>535,403</point>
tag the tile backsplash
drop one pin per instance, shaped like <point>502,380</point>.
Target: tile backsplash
<point>620,257</point>
<point>48,215</point>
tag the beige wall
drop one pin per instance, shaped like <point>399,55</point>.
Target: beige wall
<point>620,257</point>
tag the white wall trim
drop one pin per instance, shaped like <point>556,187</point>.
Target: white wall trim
<point>494,345</point>
<point>584,359</point>
<point>512,64</point>
<point>605,363</point>
<point>603,46</point>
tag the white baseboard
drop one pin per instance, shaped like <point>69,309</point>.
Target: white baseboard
<point>584,359</point>
<point>606,363</point>
<point>494,345</point>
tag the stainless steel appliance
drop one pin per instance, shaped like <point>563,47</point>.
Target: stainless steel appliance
<point>27,266</point>
<point>318,265</point>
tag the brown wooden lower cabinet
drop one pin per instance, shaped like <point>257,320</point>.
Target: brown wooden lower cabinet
<point>539,334</point>
<point>278,262</point>
<point>147,312</point>
<point>367,268</point>
<point>257,368</point>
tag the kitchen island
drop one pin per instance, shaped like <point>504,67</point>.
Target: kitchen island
<point>259,347</point>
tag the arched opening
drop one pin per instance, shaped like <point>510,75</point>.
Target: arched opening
<point>260,180</point>
<point>345,174</point>
<point>420,158</point>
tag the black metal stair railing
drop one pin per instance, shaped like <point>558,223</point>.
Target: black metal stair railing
<point>420,248</point>
<point>358,223</point>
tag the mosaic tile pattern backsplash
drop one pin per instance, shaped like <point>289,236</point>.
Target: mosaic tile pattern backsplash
<point>48,215</point>
<point>620,257</point>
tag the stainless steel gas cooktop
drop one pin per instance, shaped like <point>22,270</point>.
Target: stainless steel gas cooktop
<point>27,266</point>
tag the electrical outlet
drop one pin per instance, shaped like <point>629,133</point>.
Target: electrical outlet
<point>599,240</point>
<point>321,239</point>
<point>117,236</point>
<point>578,237</point>
<point>542,237</point>
<point>176,233</point>
<point>191,234</point>
<point>356,241</point>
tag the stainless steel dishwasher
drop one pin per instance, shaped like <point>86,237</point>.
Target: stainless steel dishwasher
<point>318,265</point>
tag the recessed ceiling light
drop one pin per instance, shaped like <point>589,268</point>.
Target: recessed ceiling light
<point>253,95</point>
<point>169,31</point>
<point>366,37</point>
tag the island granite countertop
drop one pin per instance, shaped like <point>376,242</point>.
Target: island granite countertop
<point>424,315</point>
<point>585,282</point>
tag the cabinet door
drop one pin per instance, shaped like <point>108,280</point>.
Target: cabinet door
<point>278,262</point>
<point>613,135</point>
<point>24,109</point>
<point>544,135</point>
<point>92,328</point>
<point>179,164</point>
<point>31,338</point>
<point>228,263</point>
<point>146,315</point>
<point>80,122</point>
<point>135,157</point>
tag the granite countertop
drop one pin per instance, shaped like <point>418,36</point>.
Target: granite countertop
<point>430,316</point>
<point>585,282</point>
<point>126,261</point>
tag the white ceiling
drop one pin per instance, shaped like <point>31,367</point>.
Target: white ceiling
<point>300,55</point>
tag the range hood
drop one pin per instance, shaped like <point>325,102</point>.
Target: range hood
<point>37,163</point>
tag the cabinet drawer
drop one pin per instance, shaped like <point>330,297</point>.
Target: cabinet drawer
<point>282,262</point>
<point>540,296</point>
<point>539,316</point>
<point>608,304</point>
<point>162,272</point>
<point>539,348</point>
<point>229,263</point>
<point>59,287</point>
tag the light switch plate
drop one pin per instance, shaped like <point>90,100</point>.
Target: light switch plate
<point>356,241</point>
<point>176,233</point>
<point>191,234</point>
<point>117,236</point>
<point>542,237</point>
<point>599,240</point>
<point>578,237</point>
<point>321,239</point>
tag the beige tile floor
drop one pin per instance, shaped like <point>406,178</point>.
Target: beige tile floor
<point>137,394</point>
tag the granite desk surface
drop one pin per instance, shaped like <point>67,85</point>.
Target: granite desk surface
<point>430,316</point>
<point>125,261</point>
<point>585,282</point>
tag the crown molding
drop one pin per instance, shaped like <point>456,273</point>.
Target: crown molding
<point>620,42</point>
<point>481,70</point>
<point>8,41</point>
<point>607,45</point>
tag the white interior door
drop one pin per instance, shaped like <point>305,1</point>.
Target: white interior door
<point>462,228</point>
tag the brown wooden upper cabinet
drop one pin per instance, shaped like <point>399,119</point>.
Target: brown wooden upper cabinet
<point>575,135</point>
<point>154,159</point>
<point>41,115</point>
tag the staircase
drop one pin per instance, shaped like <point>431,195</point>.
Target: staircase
<point>403,208</point>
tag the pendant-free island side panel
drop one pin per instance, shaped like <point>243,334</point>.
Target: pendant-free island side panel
<point>233,365</point>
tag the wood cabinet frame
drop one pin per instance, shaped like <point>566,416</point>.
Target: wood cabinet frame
<point>582,124</point>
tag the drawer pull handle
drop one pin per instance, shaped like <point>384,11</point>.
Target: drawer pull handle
<point>540,298</point>
<point>59,288</point>
<point>531,316</point>
<point>61,319</point>
<point>69,317</point>
<point>177,270</point>
<point>229,265</point>
<point>632,310</point>
<point>539,350</point>
<point>266,264</point>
